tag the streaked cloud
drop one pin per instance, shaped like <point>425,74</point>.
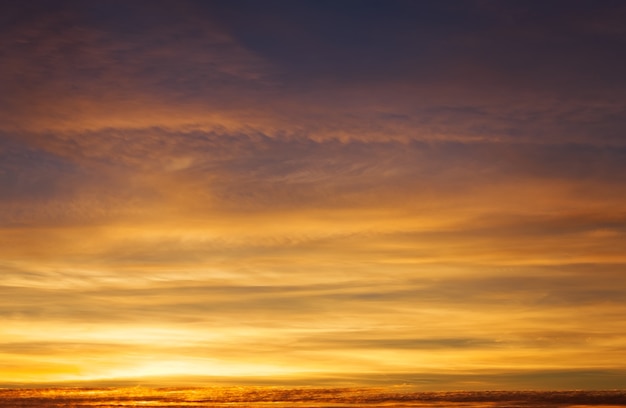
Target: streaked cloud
<point>228,190</point>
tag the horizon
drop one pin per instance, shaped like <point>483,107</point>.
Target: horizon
<point>370,193</point>
<point>303,397</point>
<point>556,382</point>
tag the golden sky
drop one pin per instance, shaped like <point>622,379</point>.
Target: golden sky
<point>429,193</point>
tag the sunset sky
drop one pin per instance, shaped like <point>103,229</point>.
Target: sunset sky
<point>313,192</point>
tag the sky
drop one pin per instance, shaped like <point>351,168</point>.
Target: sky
<point>370,192</point>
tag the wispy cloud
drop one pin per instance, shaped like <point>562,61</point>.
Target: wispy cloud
<point>238,190</point>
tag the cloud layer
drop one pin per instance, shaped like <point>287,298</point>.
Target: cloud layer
<point>223,189</point>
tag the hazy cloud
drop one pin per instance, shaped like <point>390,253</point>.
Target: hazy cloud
<point>313,189</point>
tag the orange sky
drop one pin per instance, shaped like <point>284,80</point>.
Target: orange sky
<point>407,193</point>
